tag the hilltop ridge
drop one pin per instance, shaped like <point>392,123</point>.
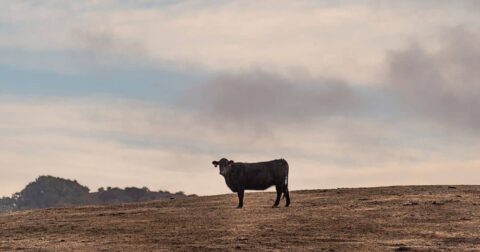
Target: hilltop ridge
<point>401,218</point>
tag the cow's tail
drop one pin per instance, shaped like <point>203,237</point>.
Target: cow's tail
<point>285,186</point>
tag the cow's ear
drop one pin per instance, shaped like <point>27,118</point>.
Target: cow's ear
<point>230,162</point>
<point>215,163</point>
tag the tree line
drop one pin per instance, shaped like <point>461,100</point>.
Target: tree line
<point>49,191</point>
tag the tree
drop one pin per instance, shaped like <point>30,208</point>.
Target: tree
<point>48,191</point>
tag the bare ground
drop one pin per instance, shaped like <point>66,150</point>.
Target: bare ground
<point>407,218</point>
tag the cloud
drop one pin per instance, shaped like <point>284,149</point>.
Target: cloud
<point>340,40</point>
<point>332,128</point>
<point>101,48</point>
<point>102,142</point>
<point>260,97</point>
<point>118,142</point>
<point>440,83</point>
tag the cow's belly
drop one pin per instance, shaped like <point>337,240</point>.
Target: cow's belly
<point>259,185</point>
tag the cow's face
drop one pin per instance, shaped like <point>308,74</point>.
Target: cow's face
<point>224,165</point>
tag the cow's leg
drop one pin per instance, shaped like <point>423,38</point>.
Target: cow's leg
<point>240,198</point>
<point>279,194</point>
<point>287,196</point>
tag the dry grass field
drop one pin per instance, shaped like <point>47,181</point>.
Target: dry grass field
<point>407,218</point>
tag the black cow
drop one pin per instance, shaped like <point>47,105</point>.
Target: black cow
<point>255,176</point>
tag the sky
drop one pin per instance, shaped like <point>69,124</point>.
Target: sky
<point>149,93</point>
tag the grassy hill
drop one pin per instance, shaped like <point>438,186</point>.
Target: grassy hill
<point>404,218</point>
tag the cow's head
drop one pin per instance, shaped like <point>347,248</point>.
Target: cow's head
<point>224,165</point>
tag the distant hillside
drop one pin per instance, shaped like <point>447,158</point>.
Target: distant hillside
<point>49,191</point>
